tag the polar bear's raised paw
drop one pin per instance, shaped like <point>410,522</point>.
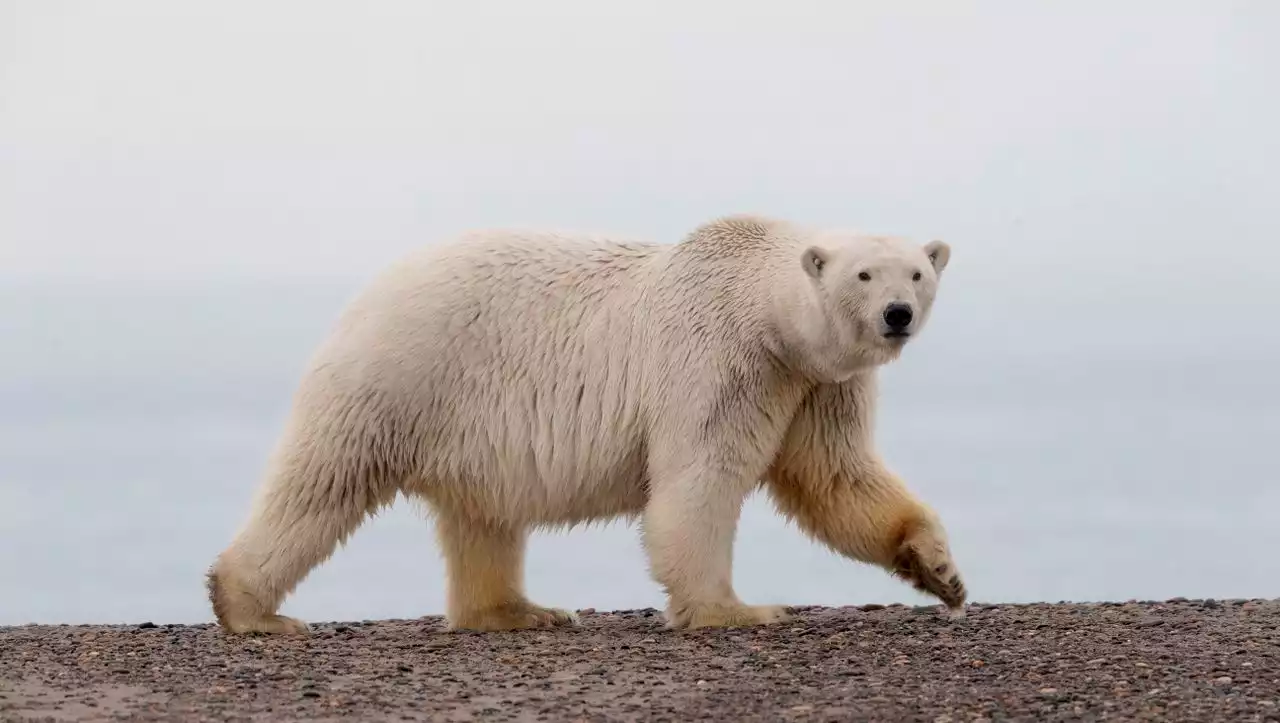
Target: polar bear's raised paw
<point>925,563</point>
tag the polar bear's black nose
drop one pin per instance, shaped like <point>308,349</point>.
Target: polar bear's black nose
<point>897,316</point>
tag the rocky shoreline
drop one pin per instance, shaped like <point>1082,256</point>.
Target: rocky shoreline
<point>1193,660</point>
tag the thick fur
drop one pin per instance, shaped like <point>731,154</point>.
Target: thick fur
<point>516,381</point>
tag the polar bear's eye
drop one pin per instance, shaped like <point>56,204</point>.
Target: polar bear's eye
<point>916,276</point>
<point>864,276</point>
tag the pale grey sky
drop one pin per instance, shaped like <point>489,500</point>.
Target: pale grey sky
<point>1093,410</point>
<point>1064,143</point>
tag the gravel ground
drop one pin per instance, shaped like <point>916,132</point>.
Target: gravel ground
<point>1199,660</point>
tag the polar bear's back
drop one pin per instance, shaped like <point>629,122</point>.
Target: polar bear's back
<point>500,360</point>
<point>501,299</point>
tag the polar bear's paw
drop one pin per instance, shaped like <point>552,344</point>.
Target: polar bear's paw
<point>514,616</point>
<point>924,561</point>
<point>724,615</point>
<point>270,624</point>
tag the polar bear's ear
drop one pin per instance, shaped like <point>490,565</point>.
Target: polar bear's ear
<point>814,261</point>
<point>939,254</point>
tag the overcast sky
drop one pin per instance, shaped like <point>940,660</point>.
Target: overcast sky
<point>265,138</point>
<point>1098,382</point>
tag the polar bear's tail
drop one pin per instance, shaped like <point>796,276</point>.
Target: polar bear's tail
<point>335,466</point>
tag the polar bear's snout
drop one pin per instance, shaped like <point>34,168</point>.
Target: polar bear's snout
<point>897,320</point>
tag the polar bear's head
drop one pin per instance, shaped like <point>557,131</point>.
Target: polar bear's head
<point>865,298</point>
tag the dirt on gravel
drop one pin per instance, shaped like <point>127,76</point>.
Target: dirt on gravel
<point>1200,660</point>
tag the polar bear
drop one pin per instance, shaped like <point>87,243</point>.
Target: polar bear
<point>524,380</point>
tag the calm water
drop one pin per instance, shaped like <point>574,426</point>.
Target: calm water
<point>1071,460</point>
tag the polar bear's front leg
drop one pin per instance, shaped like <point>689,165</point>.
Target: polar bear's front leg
<point>870,515</point>
<point>689,527</point>
<point>829,479</point>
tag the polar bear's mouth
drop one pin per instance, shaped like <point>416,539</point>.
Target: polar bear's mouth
<point>897,334</point>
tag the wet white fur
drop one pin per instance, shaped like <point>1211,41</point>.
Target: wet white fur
<point>516,381</point>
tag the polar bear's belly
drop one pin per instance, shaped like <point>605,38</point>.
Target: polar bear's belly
<point>529,485</point>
